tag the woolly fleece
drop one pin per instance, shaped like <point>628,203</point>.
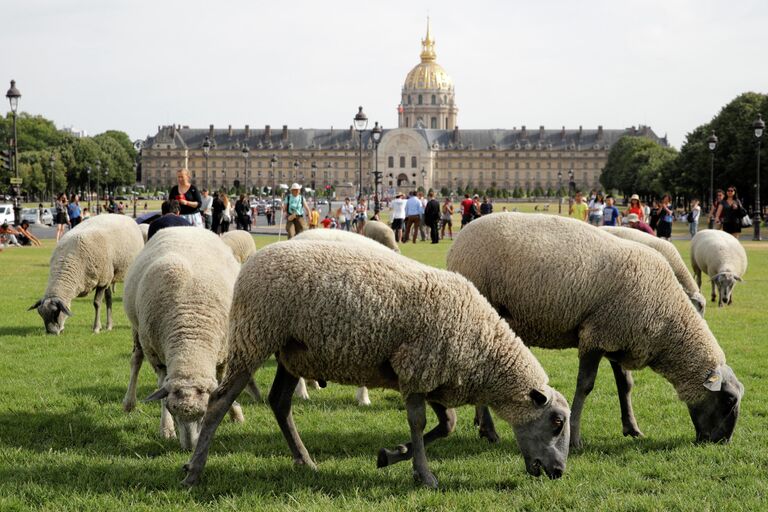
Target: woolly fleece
<point>382,233</point>
<point>241,242</point>
<point>715,251</point>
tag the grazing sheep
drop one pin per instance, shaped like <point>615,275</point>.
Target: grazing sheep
<point>241,242</point>
<point>379,231</point>
<point>670,253</point>
<point>177,297</point>
<point>144,227</point>
<point>623,304</point>
<point>404,341</point>
<point>722,258</point>
<point>94,255</point>
<point>370,242</point>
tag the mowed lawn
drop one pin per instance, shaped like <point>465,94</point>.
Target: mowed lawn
<point>66,444</point>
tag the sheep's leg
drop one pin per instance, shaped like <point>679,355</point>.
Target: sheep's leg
<point>108,295</point>
<point>417,420</point>
<point>714,295</point>
<point>588,365</point>
<point>446,423</point>
<point>137,358</point>
<point>219,403</point>
<point>624,383</point>
<point>235,412</point>
<point>97,306</point>
<point>697,275</point>
<point>301,389</point>
<point>280,397</point>
<point>167,430</point>
<point>252,389</point>
<point>484,420</point>
<point>361,395</point>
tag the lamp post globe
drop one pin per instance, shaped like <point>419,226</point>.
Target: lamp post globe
<point>759,127</point>
<point>13,96</point>
<point>712,145</point>
<point>559,192</point>
<point>360,123</point>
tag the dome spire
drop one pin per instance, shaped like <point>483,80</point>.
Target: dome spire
<point>428,47</point>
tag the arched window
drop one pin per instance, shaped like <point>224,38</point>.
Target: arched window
<point>390,161</point>
<point>413,162</point>
<point>434,99</point>
<point>433,123</point>
<point>420,100</point>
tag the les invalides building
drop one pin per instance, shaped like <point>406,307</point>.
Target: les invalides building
<point>427,149</point>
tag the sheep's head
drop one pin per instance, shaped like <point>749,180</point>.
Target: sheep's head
<point>715,416</point>
<point>544,440</point>
<point>725,281</point>
<point>699,303</point>
<point>186,400</point>
<point>54,313</point>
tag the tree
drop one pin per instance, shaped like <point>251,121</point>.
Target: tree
<point>635,165</point>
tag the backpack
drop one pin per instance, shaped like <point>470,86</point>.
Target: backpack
<point>689,217</point>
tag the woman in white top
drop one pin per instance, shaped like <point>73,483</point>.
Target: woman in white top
<point>596,207</point>
<point>693,224</point>
<point>348,213</point>
<point>361,215</point>
<point>398,216</point>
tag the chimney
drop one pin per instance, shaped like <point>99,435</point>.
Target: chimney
<point>229,130</point>
<point>600,132</point>
<point>247,131</point>
<point>158,128</point>
<point>541,132</point>
<point>173,130</point>
<point>580,130</point>
<point>351,131</point>
<point>523,133</point>
<point>210,130</point>
<point>267,132</point>
<point>284,136</point>
<point>562,133</point>
<point>456,134</point>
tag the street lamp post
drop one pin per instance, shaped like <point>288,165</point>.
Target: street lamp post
<point>88,173</point>
<point>206,150</point>
<point>246,153</point>
<point>138,145</point>
<point>52,161</point>
<point>106,185</point>
<point>272,165</point>
<point>376,134</point>
<point>98,180</point>
<point>328,168</point>
<point>571,183</point>
<point>759,127</point>
<point>13,96</point>
<point>313,168</point>
<point>361,122</point>
<point>712,144</point>
<point>559,192</point>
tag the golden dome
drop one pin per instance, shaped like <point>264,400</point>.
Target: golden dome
<point>428,74</point>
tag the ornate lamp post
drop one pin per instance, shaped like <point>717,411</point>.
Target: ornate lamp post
<point>272,165</point>
<point>106,184</point>
<point>328,168</point>
<point>712,144</point>
<point>52,163</point>
<point>313,168</point>
<point>571,183</point>
<point>376,134</point>
<point>759,127</point>
<point>559,192</point>
<point>98,180</point>
<point>138,145</point>
<point>88,173</point>
<point>13,96</point>
<point>246,153</point>
<point>361,123</point>
<point>206,150</point>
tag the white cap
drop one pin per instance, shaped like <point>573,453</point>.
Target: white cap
<point>295,186</point>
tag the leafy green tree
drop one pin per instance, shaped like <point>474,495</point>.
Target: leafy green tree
<point>635,165</point>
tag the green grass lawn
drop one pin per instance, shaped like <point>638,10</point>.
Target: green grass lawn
<point>66,444</point>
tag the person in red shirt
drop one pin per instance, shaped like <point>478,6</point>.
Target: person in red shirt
<point>326,222</point>
<point>467,205</point>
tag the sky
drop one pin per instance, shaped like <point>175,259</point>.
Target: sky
<point>133,65</point>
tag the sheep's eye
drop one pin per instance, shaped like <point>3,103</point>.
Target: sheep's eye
<point>557,423</point>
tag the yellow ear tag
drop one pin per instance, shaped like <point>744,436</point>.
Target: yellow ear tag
<point>713,378</point>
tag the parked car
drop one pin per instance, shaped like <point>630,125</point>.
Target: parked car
<point>6,214</point>
<point>35,216</point>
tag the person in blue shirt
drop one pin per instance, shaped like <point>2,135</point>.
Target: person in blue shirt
<point>73,209</point>
<point>296,208</point>
<point>413,211</point>
<point>611,214</point>
<point>170,218</point>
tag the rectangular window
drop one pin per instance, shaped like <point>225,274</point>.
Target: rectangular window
<point>402,162</point>
<point>413,162</point>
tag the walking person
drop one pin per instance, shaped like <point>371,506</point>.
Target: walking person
<point>398,216</point>
<point>422,223</point>
<point>188,196</point>
<point>226,213</point>
<point>432,216</point>
<point>361,215</point>
<point>446,218</point>
<point>693,217</point>
<point>61,218</point>
<point>596,207</point>
<point>73,210</point>
<point>206,207</point>
<point>348,213</point>
<point>731,211</point>
<point>412,216</point>
<point>217,210</point>
<point>666,216</point>
<point>295,209</point>
<point>314,218</point>
<point>578,209</point>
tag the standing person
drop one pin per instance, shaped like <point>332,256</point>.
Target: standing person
<point>611,215</point>
<point>432,216</point>
<point>466,210</point>
<point>476,207</point>
<point>693,217</point>
<point>268,214</point>
<point>487,207</point>
<point>295,209</point>
<point>189,198</point>
<point>361,215</point>
<point>314,218</point>
<point>61,216</point>
<point>422,223</point>
<point>596,207</point>
<point>446,218</point>
<point>348,213</point>
<point>719,198</point>
<point>217,209</point>
<point>206,207</point>
<point>226,213</point>
<point>636,208</point>
<point>666,216</point>
<point>398,216</point>
<point>653,218</point>
<point>731,212</point>
<point>412,216</point>
<point>73,210</point>
<point>241,211</point>
<point>578,209</point>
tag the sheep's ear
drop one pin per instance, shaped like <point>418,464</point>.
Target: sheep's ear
<point>739,279</point>
<point>539,398</point>
<point>714,380</point>
<point>35,305</point>
<point>63,307</point>
<point>157,395</point>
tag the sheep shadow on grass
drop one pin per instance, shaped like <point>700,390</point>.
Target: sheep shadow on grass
<point>22,330</point>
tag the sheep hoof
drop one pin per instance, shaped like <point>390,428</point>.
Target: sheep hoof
<point>576,443</point>
<point>633,432</point>
<point>427,479</point>
<point>96,330</point>
<point>168,433</point>
<point>367,401</point>
<point>191,478</point>
<point>237,415</point>
<point>308,463</point>
<point>129,405</point>
<point>490,435</point>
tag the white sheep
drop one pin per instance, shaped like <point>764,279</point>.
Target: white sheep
<point>405,339</point>
<point>339,235</point>
<point>382,233</point>
<point>622,303</point>
<point>95,254</point>
<point>177,297</point>
<point>144,227</point>
<point>670,253</point>
<point>241,242</point>
<point>720,256</point>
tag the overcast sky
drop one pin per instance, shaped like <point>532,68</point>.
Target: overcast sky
<point>132,65</point>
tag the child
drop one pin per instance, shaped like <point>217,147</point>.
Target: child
<point>611,215</point>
